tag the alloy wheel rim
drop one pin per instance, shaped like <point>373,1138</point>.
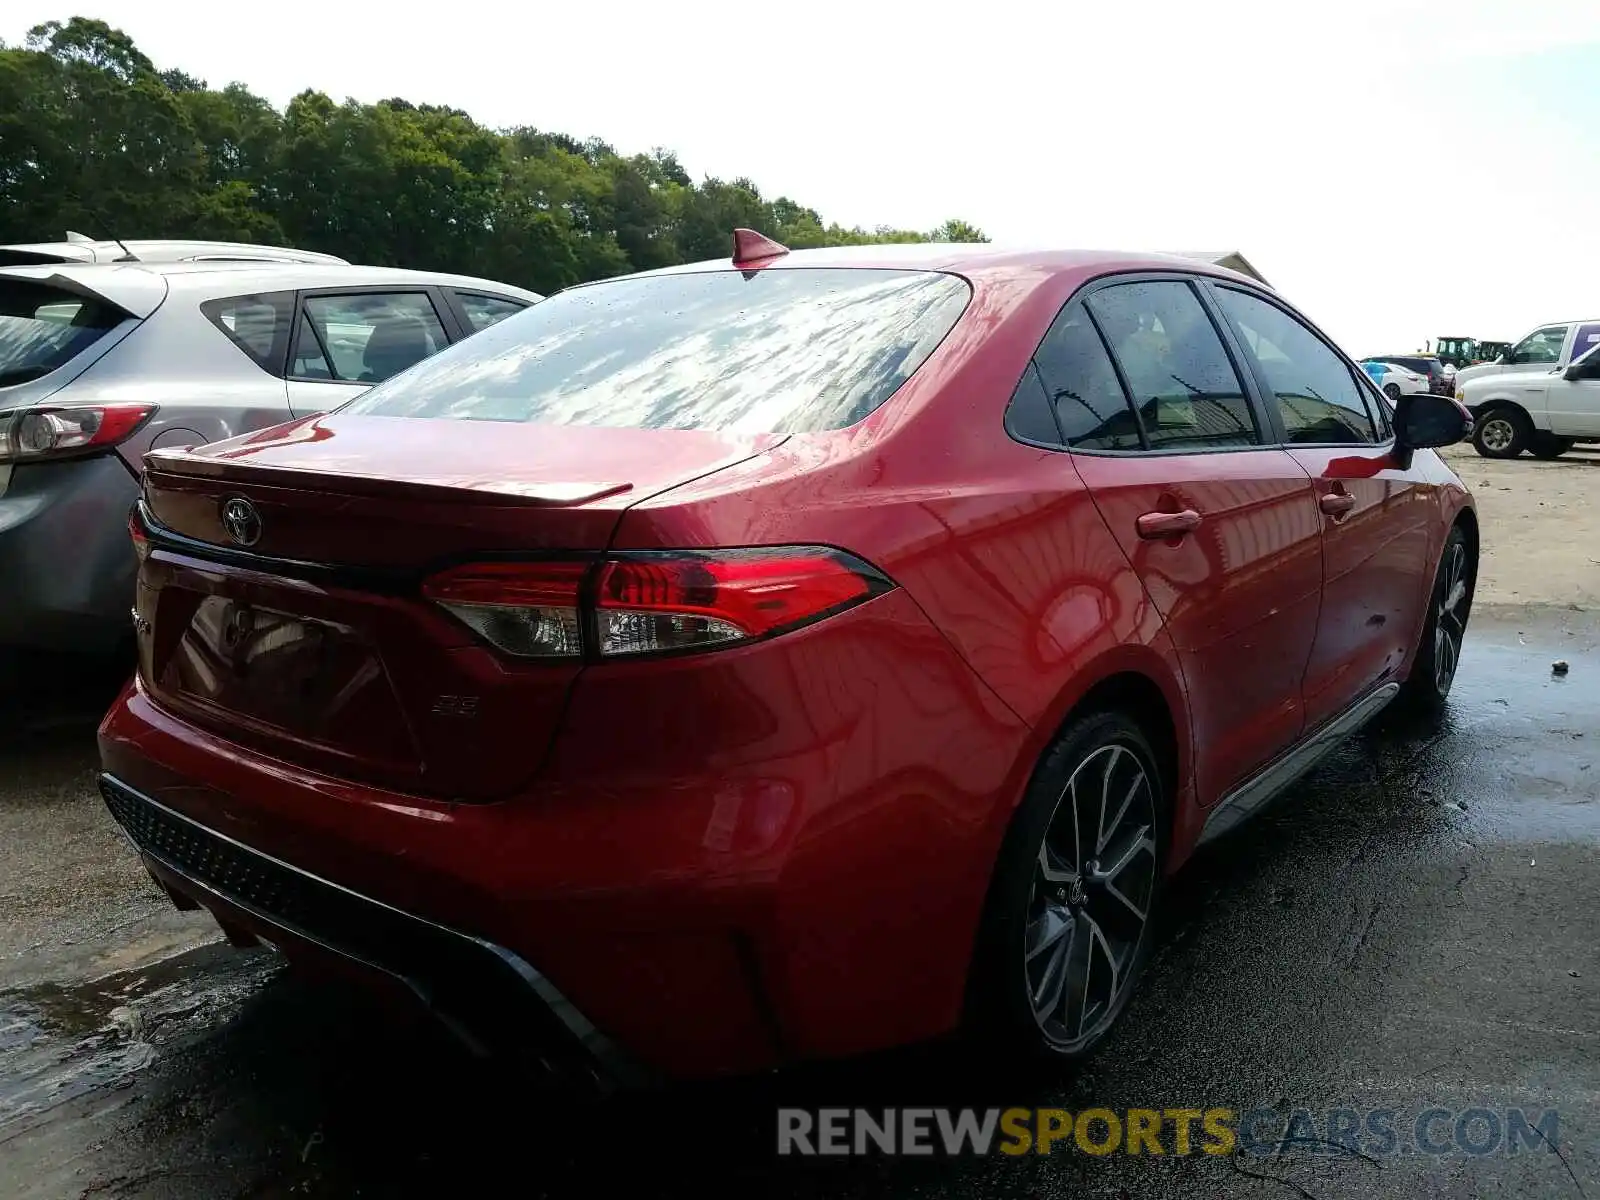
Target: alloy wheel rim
<point>1093,886</point>
<point>1450,619</point>
<point>1497,433</point>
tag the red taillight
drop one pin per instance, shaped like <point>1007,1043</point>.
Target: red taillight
<point>655,602</point>
<point>652,602</point>
<point>141,541</point>
<point>32,434</point>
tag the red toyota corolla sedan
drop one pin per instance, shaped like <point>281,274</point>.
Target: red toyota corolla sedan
<point>781,657</point>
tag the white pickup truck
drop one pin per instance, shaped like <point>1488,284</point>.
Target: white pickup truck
<point>1543,397</point>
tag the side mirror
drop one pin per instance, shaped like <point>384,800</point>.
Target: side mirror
<point>1426,420</point>
<point>1578,371</point>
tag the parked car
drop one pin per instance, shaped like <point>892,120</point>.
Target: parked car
<point>80,249</point>
<point>1426,365</point>
<point>782,657</point>
<point>100,363</point>
<point>1549,348</point>
<point>1396,381</point>
<point>1545,413</point>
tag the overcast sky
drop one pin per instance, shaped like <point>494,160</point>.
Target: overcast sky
<point>1401,169</point>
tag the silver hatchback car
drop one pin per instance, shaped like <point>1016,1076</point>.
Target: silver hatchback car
<point>100,363</point>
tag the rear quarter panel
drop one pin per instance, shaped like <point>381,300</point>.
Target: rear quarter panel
<point>204,387</point>
<point>998,543</point>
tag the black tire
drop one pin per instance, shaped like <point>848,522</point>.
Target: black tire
<point>1392,390</point>
<point>1433,667</point>
<point>1067,900</point>
<point>1502,432</point>
<point>1547,446</point>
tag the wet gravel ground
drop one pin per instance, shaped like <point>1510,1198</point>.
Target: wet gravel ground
<point>1415,927</point>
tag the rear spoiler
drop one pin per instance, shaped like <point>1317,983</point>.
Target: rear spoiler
<point>179,470</point>
<point>132,292</point>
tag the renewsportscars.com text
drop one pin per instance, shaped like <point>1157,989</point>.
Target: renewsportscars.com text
<point>1179,1132</point>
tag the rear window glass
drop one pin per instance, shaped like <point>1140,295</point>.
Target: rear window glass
<point>773,351</point>
<point>12,257</point>
<point>42,327</point>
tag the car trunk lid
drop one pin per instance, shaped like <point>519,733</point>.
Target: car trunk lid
<point>303,632</point>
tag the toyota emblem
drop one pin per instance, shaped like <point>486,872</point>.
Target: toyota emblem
<point>241,520</point>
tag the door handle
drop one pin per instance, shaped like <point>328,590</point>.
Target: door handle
<point>1158,525</point>
<point>1336,504</point>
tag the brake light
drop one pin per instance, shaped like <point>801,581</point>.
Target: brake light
<point>652,602</point>
<point>34,434</point>
<point>141,541</point>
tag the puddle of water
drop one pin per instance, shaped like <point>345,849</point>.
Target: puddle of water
<point>1517,755</point>
<point>59,1043</point>
<point>43,1064</point>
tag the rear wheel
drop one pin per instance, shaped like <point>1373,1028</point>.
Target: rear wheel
<point>1547,446</point>
<point>1502,433</point>
<point>1438,655</point>
<point>1066,930</point>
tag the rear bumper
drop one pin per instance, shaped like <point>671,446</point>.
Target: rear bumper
<point>728,861</point>
<point>482,991</point>
<point>67,567</point>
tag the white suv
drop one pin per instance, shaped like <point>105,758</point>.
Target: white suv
<point>1546,410</point>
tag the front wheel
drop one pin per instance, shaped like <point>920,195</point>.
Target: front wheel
<point>1433,668</point>
<point>1066,928</point>
<point>1392,390</point>
<point>1502,433</point>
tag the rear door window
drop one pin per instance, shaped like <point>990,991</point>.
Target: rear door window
<point>1316,392</point>
<point>310,359</point>
<point>780,350</point>
<point>1028,416</point>
<point>1185,390</point>
<point>43,327</point>
<point>1090,405</point>
<point>366,337</point>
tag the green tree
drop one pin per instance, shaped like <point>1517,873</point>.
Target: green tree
<point>956,230</point>
<point>91,138</point>
<point>94,137</point>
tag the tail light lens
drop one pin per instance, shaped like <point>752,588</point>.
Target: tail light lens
<point>141,540</point>
<point>528,610</point>
<point>33,434</point>
<point>652,602</point>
